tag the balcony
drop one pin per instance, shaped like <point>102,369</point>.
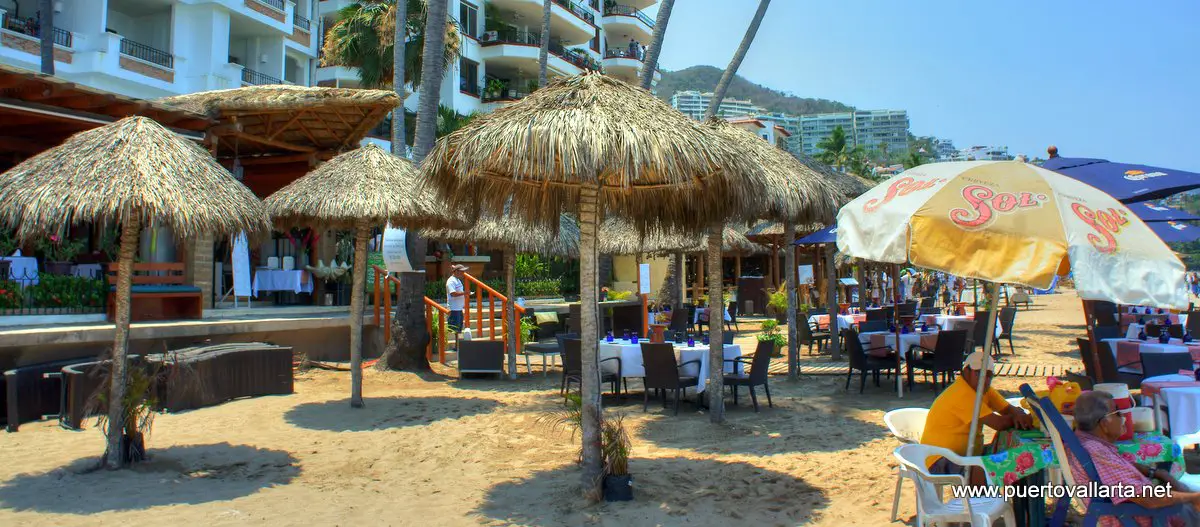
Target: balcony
<point>626,22</point>
<point>519,49</point>
<point>569,21</point>
<point>32,28</point>
<point>302,23</point>
<point>254,78</point>
<point>623,64</point>
<point>277,4</point>
<point>146,53</point>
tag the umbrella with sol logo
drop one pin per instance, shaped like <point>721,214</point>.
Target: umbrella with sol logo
<point>1012,222</point>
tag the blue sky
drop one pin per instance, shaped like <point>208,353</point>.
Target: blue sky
<point>1118,80</point>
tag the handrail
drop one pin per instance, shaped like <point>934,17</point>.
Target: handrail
<point>493,295</point>
<point>383,307</point>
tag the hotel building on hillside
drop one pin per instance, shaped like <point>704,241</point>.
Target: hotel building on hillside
<point>866,128</point>
<point>695,104</point>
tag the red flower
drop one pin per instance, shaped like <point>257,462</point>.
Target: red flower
<point>1149,450</point>
<point>1024,461</point>
<point>54,238</point>
<point>1010,478</point>
<point>1128,457</point>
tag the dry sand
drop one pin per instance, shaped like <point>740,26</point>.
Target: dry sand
<point>433,450</point>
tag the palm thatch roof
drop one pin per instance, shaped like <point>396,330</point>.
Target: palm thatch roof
<point>849,185</point>
<point>134,166</point>
<point>367,184</point>
<point>649,162</point>
<point>305,120</point>
<point>616,236</point>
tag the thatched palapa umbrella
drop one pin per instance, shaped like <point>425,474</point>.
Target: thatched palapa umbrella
<point>132,172</point>
<point>358,190</point>
<point>593,145</point>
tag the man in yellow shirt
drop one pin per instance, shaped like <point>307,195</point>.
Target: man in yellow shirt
<point>948,424</point>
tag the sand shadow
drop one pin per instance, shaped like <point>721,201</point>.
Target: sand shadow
<point>381,413</point>
<point>666,492</point>
<point>172,476</point>
<point>796,427</point>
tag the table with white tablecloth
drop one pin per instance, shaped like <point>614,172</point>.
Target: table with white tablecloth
<point>277,280</point>
<point>632,365</point>
<point>23,269</point>
<point>703,310</point>
<point>1135,329</point>
<point>844,321</point>
<point>875,339</point>
<point>1179,395</point>
<point>1128,351</point>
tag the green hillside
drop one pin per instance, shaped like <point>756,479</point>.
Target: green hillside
<point>705,78</point>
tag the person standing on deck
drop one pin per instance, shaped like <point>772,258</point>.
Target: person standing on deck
<point>456,297</point>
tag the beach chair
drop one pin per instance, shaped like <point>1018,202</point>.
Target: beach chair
<point>733,314</point>
<point>868,326</point>
<point>808,334</point>
<point>906,425</point>
<point>980,332</point>
<point>1110,371</point>
<point>1105,313</point>
<point>931,510</point>
<point>859,360</point>
<point>1008,317</point>
<point>1155,364</point>
<point>572,357</point>
<point>1021,297</point>
<point>1193,322</point>
<point>1066,443</point>
<point>662,373</point>
<point>946,358</point>
<point>757,376</point>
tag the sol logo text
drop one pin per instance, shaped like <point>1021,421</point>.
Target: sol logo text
<point>1106,223</point>
<point>901,187</point>
<point>984,204</point>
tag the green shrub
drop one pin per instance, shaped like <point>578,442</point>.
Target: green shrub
<point>11,295</point>
<point>546,287</point>
<point>53,291</point>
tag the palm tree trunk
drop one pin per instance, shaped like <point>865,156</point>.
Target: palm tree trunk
<point>432,71</point>
<point>736,62</point>
<point>118,374</point>
<point>660,32</point>
<point>831,299</point>
<point>510,310</point>
<point>789,279</point>
<point>716,322</point>
<point>544,52</point>
<point>589,385</point>
<point>361,233</point>
<point>398,52</point>
<point>46,32</point>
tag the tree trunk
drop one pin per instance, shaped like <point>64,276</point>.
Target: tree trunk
<point>589,385</point>
<point>831,298</point>
<point>432,71</point>
<point>512,327</point>
<point>789,279</point>
<point>604,269</point>
<point>46,32</point>
<point>119,372</point>
<point>650,64</point>
<point>544,52</point>
<point>716,322</point>
<point>861,277</point>
<point>668,294</point>
<point>682,278</point>
<point>398,77</point>
<point>361,234</point>
<point>736,62</point>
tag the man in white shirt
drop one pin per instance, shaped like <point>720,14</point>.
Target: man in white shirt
<point>456,297</point>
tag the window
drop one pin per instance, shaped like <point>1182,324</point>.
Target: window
<point>595,43</point>
<point>468,16</point>
<point>468,77</point>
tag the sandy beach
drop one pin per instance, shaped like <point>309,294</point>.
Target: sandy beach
<point>434,450</point>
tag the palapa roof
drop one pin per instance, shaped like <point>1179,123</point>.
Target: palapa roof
<point>304,120</point>
<point>616,236</point>
<point>367,186</point>
<point>132,166</point>
<point>649,162</point>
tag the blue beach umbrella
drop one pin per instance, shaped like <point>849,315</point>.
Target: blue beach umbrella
<point>826,235</point>
<point>1173,232</point>
<point>1148,212</point>
<point>1127,182</point>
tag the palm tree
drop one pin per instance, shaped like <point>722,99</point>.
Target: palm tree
<point>650,64</point>
<point>731,70</point>
<point>365,34</point>
<point>716,380</point>
<point>46,32</point>
<point>409,336</point>
<point>399,51</point>
<point>836,150</point>
<point>544,52</point>
<point>913,159</point>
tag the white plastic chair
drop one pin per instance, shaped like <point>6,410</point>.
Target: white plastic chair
<point>289,263</point>
<point>906,424</point>
<point>272,262</point>
<point>931,510</point>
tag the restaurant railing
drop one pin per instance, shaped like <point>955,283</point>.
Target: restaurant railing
<point>624,10</point>
<point>531,38</point>
<point>301,22</point>
<point>492,297</point>
<point>622,53</point>
<point>30,26</point>
<point>578,10</point>
<point>25,293</point>
<point>277,4</point>
<point>141,51</point>
<point>255,78</point>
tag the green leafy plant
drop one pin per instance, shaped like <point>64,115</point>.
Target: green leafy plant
<point>615,445</point>
<point>770,333</point>
<point>144,381</point>
<point>54,291</point>
<point>532,86</point>
<point>56,249</point>
<point>8,243</point>
<point>547,287</point>
<point>528,327</point>
<point>495,88</point>
<point>777,300</point>
<point>109,243</point>
<point>11,295</point>
<point>530,266</point>
<point>620,296</point>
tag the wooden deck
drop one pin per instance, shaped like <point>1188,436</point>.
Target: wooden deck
<point>779,367</point>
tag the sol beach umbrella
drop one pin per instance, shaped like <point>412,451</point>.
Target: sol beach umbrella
<point>1011,222</point>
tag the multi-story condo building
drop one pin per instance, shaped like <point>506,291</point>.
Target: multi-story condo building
<point>770,131</point>
<point>790,124</point>
<point>156,48</point>
<point>868,129</point>
<point>982,153</point>
<point>501,40</point>
<point>694,104</point>
<point>945,149</point>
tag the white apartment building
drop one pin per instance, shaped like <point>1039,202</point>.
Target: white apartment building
<point>982,153</point>
<point>501,40</point>
<point>790,124</point>
<point>866,128</point>
<point>156,48</point>
<point>694,104</point>
<point>945,149</point>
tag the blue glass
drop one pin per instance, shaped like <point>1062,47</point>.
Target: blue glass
<point>705,341</point>
<point>625,335</point>
<point>1142,335</point>
<point>1160,311</point>
<point>634,339</point>
<point>1167,321</point>
<point>1164,338</point>
<point>1187,337</point>
<point>1197,377</point>
<point>609,336</point>
<point>1142,320</point>
<point>924,327</point>
<point>691,342</point>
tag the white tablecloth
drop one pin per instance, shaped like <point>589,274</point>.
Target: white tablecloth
<point>1182,404</point>
<point>1150,346</point>
<point>907,340</point>
<point>23,268</point>
<point>632,366</point>
<point>696,317</point>
<point>275,280</point>
<point>844,321</point>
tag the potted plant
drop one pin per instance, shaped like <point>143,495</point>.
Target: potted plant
<point>57,254</point>
<point>615,445</point>
<point>495,88</point>
<point>770,333</point>
<point>777,304</point>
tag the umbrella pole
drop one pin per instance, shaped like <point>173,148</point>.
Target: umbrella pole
<point>896,324</point>
<point>789,273</point>
<point>987,364</point>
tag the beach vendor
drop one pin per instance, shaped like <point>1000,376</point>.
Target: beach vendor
<point>948,424</point>
<point>1098,424</point>
<point>456,297</point>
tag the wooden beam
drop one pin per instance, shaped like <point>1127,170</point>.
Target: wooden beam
<point>271,142</point>
<point>358,131</point>
<point>306,132</point>
<point>289,123</point>
<point>86,102</point>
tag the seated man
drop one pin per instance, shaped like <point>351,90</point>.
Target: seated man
<point>1098,424</point>
<point>948,424</point>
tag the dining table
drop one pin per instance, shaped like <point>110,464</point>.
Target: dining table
<point>879,339</point>
<point>632,366</point>
<point>1128,352</point>
<point>295,281</point>
<point>844,321</point>
<point>1175,399</point>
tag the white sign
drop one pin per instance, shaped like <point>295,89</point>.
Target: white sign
<point>644,279</point>
<point>804,274</point>
<point>241,266</point>
<point>395,250</point>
